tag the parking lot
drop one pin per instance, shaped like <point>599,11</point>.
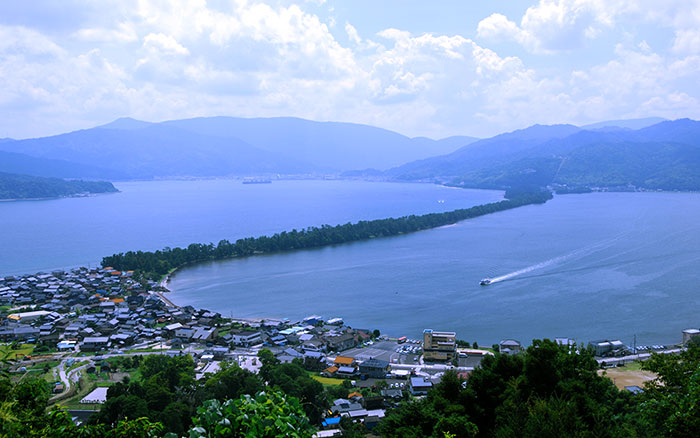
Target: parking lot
<point>390,351</point>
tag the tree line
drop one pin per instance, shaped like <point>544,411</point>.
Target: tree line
<point>155,264</point>
<point>15,186</point>
<point>552,390</point>
<point>549,390</point>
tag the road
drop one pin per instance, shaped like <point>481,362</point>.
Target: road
<point>68,378</point>
<point>634,357</point>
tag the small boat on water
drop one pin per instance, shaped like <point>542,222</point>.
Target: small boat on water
<point>485,281</point>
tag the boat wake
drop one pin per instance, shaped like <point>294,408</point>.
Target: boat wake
<point>581,252</point>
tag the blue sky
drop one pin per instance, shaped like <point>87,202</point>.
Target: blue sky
<point>420,68</point>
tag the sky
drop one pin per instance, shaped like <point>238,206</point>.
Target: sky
<point>436,69</point>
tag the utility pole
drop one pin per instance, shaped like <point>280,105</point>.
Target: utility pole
<point>635,344</point>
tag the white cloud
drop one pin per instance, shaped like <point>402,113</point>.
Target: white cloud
<point>164,43</point>
<point>123,33</point>
<point>687,41</point>
<point>161,59</point>
<point>555,25</point>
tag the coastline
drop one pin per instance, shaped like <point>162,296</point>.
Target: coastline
<point>49,198</point>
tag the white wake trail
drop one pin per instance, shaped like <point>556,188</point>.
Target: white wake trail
<point>559,259</point>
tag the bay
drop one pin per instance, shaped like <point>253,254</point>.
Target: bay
<point>593,266</point>
<point>62,233</point>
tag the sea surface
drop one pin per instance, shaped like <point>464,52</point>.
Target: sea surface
<point>591,266</point>
<point>62,233</point>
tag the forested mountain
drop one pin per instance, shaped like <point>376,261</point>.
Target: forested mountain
<point>12,162</point>
<point>328,145</point>
<point>14,186</point>
<point>626,123</point>
<point>663,156</point>
<point>218,146</point>
<point>158,151</point>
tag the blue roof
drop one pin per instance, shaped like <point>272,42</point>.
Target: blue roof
<point>634,389</point>
<point>331,421</point>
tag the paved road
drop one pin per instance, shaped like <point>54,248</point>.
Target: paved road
<point>633,357</point>
<point>68,378</point>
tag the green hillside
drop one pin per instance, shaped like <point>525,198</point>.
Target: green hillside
<point>14,186</point>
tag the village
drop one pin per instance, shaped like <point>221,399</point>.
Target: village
<point>68,325</point>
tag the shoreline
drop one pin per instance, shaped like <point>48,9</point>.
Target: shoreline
<point>51,198</point>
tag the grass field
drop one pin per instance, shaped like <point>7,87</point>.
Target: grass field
<point>327,380</point>
<point>23,350</point>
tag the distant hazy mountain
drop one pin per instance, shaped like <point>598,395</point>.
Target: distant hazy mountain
<point>12,162</point>
<point>662,156</point>
<point>220,146</point>
<point>328,145</point>
<point>14,186</point>
<point>158,151</point>
<point>485,153</point>
<point>626,123</point>
<point>126,123</point>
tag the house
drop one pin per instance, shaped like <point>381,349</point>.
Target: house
<point>28,316</point>
<point>346,371</point>
<point>313,345</point>
<point>184,333</point>
<point>440,346</point>
<point>219,352</point>
<point>330,371</point>
<point>66,345</point>
<point>607,347</point>
<point>342,406</point>
<point>395,394</point>
<point>312,320</point>
<point>205,334</point>
<point>689,335</point>
<point>332,421</point>
<point>25,333</point>
<point>344,361</point>
<point>340,342</point>
<point>94,343</point>
<point>245,338</point>
<point>374,368</point>
<point>419,386</point>
<point>509,346</point>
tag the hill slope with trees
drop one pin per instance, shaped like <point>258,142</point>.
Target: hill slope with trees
<point>14,186</point>
<point>664,156</point>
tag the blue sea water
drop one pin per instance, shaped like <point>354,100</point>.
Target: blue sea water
<point>601,265</point>
<point>61,233</point>
<point>594,266</point>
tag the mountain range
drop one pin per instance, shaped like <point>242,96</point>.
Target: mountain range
<point>13,186</point>
<point>218,146</point>
<point>664,156</point>
<point>648,153</point>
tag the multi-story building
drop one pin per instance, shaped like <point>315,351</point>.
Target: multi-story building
<point>439,345</point>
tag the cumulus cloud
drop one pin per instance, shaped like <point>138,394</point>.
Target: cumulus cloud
<point>164,43</point>
<point>554,25</point>
<point>162,59</point>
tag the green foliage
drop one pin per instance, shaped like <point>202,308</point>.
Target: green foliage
<point>268,414</point>
<point>293,380</point>
<point>14,186</point>
<point>231,382</point>
<point>664,166</point>
<point>671,405</point>
<point>549,391</point>
<point>158,263</point>
<point>59,425</point>
<point>164,394</point>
